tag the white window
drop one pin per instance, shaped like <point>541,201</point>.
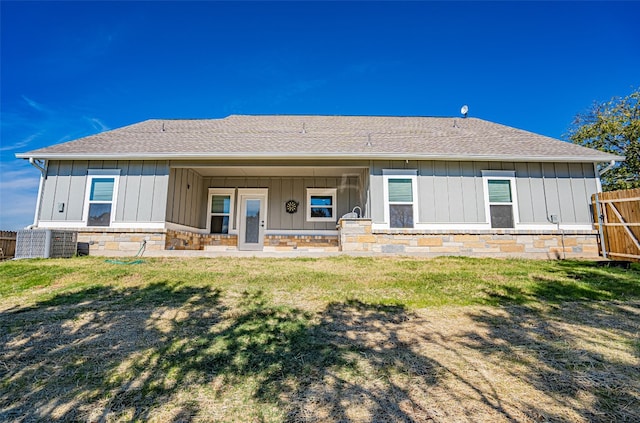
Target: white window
<point>500,198</point>
<point>400,195</point>
<point>220,210</point>
<point>100,196</point>
<point>321,204</point>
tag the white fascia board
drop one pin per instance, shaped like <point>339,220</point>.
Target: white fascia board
<point>319,156</point>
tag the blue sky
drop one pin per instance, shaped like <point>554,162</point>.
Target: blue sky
<point>71,69</point>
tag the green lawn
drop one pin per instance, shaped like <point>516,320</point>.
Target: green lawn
<point>331,339</point>
<point>408,282</point>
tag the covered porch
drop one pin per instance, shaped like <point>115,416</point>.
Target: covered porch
<point>262,206</point>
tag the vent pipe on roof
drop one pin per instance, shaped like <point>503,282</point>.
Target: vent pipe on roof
<point>369,140</point>
<point>162,126</point>
<point>304,129</point>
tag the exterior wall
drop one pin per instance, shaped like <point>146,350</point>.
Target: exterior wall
<point>452,192</point>
<point>282,189</point>
<point>141,196</point>
<point>356,235</point>
<point>186,198</point>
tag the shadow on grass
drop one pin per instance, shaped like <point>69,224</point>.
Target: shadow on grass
<point>59,359</point>
<point>569,352</point>
<point>176,353</point>
<point>368,382</point>
<point>136,354</point>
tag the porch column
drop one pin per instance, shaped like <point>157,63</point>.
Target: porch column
<point>355,234</point>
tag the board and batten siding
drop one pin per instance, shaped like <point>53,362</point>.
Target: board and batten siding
<point>186,198</point>
<point>141,196</point>
<point>453,192</point>
<point>282,189</point>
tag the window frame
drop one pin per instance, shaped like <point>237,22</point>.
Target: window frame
<point>411,174</point>
<point>231,192</point>
<point>322,192</point>
<point>101,174</point>
<point>500,175</point>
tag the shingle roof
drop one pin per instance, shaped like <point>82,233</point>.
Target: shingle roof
<point>298,136</point>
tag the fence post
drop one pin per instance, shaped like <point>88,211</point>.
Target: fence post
<point>601,227</point>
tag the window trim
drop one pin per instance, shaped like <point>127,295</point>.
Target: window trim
<point>231,192</point>
<point>400,174</point>
<point>100,174</point>
<point>500,175</point>
<point>313,192</point>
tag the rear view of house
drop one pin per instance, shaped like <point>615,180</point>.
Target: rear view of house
<point>327,183</point>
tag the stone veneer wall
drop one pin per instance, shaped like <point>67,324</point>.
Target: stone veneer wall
<point>357,235</point>
<point>183,240</point>
<point>121,241</point>
<point>294,242</point>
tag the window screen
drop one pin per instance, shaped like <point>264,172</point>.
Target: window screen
<point>501,216</point>
<point>99,214</point>
<point>401,215</point>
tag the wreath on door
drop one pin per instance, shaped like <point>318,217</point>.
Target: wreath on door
<point>291,206</point>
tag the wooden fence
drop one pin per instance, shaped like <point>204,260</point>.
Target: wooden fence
<point>619,214</point>
<point>7,244</point>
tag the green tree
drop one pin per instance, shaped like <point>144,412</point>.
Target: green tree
<point>613,127</point>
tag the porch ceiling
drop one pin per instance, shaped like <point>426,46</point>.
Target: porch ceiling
<point>275,171</point>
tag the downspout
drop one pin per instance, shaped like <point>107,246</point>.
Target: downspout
<point>600,216</point>
<point>43,172</point>
<point>34,163</point>
<point>610,166</point>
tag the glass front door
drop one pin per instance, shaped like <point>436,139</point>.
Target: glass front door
<point>252,221</point>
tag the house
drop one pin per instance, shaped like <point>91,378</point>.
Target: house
<point>351,183</point>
